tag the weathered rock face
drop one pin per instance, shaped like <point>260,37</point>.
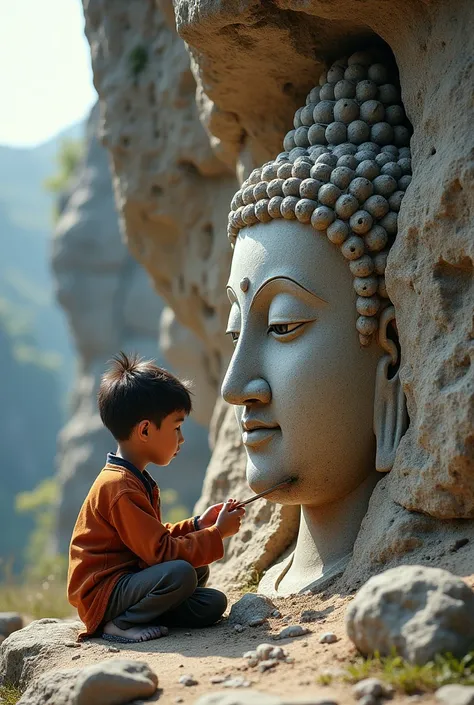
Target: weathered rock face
<point>111,306</point>
<point>171,189</point>
<point>418,611</point>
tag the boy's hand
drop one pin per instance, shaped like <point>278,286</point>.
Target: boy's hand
<point>228,521</point>
<point>209,517</point>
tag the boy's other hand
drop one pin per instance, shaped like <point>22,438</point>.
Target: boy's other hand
<point>228,521</point>
<point>209,517</point>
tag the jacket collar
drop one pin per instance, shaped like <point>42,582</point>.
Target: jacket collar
<point>144,477</point>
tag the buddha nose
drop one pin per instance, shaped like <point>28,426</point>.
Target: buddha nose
<point>243,390</point>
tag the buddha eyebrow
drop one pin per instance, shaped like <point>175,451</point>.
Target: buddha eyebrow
<point>291,281</point>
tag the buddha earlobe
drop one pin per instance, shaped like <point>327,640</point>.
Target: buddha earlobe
<point>390,413</point>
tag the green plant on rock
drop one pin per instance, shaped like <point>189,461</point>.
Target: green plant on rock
<point>9,694</point>
<point>138,60</point>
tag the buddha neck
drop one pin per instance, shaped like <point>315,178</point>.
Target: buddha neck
<point>326,536</point>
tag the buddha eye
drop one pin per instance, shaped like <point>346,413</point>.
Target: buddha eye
<point>284,330</point>
<point>234,335</point>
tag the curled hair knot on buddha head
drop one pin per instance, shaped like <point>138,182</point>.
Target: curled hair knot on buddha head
<point>345,170</point>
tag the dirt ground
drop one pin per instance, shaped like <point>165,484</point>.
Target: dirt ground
<point>218,651</point>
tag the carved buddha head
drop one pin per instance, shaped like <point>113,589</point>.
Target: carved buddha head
<point>313,375</point>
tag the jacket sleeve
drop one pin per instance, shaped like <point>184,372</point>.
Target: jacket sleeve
<point>132,516</point>
<point>181,528</point>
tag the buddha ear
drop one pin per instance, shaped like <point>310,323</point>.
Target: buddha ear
<point>390,413</point>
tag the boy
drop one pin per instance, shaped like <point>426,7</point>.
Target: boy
<point>131,576</point>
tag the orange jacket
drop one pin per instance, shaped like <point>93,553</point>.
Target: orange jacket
<point>119,531</point>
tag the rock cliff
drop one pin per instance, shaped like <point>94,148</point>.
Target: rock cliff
<point>110,306</point>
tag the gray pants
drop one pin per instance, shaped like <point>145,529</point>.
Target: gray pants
<point>172,594</point>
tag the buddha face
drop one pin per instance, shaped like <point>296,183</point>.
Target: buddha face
<point>302,385</point>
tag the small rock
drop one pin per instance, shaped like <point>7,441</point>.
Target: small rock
<point>10,622</point>
<point>252,662</point>
<point>308,592</point>
<point>263,651</point>
<point>236,682</point>
<point>251,607</point>
<point>257,622</point>
<point>328,638</point>
<point>75,657</point>
<point>239,628</point>
<point>455,695</point>
<point>292,631</point>
<point>310,616</point>
<point>73,644</point>
<point>187,681</point>
<point>107,683</point>
<point>419,611</point>
<point>276,614</point>
<point>373,687</point>
<point>289,659</point>
<point>277,653</point>
<point>267,665</point>
<point>113,650</point>
<point>215,680</point>
<point>179,700</point>
<point>187,634</point>
<point>305,643</point>
<point>459,544</point>
<point>250,654</point>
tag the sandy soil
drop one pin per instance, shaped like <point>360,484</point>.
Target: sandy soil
<point>219,649</point>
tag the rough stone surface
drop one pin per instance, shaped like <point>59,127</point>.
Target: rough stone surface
<point>455,695</point>
<point>249,608</point>
<point>416,610</point>
<point>24,653</point>
<point>107,683</point>
<point>92,265</point>
<point>10,622</point>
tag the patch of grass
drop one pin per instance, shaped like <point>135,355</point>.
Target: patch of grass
<point>36,599</point>
<point>325,679</point>
<point>409,678</point>
<point>9,694</point>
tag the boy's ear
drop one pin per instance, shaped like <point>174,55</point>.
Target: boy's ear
<point>143,427</point>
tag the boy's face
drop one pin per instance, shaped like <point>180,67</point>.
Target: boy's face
<point>164,442</point>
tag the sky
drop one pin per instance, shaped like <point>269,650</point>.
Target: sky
<point>45,73</point>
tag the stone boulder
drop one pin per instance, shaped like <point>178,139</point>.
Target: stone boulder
<point>418,611</point>
<point>251,608</point>
<point>26,653</point>
<point>111,306</point>
<point>108,683</point>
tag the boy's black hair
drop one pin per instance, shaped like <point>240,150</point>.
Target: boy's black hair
<point>134,389</point>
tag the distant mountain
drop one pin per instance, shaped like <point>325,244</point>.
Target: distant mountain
<point>36,357</point>
<point>26,223</point>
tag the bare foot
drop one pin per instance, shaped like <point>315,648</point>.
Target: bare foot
<point>136,633</point>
